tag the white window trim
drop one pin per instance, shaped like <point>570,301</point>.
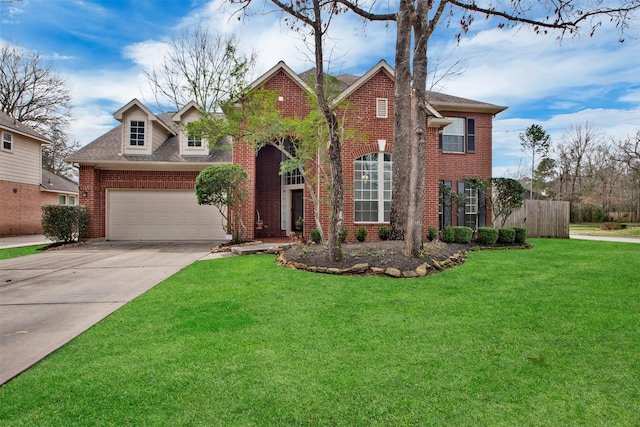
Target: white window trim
<point>10,141</point>
<point>380,190</point>
<point>382,108</point>
<point>144,139</point>
<point>463,135</point>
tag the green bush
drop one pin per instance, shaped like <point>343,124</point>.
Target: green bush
<point>521,234</point>
<point>462,234</point>
<point>487,235</point>
<point>432,234</point>
<point>315,235</point>
<point>506,235</point>
<point>343,235</point>
<point>64,223</point>
<point>361,234</point>
<point>448,235</point>
<point>383,232</point>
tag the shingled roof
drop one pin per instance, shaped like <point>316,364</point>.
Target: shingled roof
<point>9,123</point>
<point>108,148</point>
<point>57,183</point>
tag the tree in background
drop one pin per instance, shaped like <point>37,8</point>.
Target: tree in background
<point>200,66</point>
<point>34,94</point>
<point>629,156</point>
<point>506,198</point>
<point>222,186</point>
<point>535,142</point>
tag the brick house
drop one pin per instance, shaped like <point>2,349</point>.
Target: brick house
<point>137,180</point>
<point>24,185</point>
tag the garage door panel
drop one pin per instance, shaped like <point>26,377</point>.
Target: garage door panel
<point>161,215</point>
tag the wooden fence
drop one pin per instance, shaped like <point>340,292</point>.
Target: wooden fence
<point>542,218</point>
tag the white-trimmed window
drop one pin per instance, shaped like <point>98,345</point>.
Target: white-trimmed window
<point>194,140</point>
<point>471,208</point>
<point>382,108</point>
<point>71,200</point>
<point>7,141</point>
<point>372,185</point>
<point>136,133</point>
<point>459,136</point>
<point>62,199</point>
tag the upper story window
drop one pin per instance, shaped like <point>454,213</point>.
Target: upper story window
<point>7,141</point>
<point>382,108</point>
<point>194,140</point>
<point>459,136</point>
<point>136,134</point>
<point>372,184</point>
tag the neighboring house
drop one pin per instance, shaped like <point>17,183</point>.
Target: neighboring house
<point>20,177</point>
<point>58,190</point>
<point>137,180</point>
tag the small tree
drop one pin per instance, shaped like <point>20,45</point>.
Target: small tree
<point>535,142</point>
<point>64,223</point>
<point>223,187</point>
<point>507,197</point>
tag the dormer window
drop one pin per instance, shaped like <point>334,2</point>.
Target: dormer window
<point>194,140</point>
<point>136,134</point>
<point>382,108</point>
<point>7,141</point>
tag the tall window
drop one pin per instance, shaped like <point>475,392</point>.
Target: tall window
<point>7,142</point>
<point>459,136</point>
<point>471,208</point>
<point>136,135</point>
<point>372,183</point>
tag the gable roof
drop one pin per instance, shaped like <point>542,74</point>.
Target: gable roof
<point>11,124</point>
<point>280,66</point>
<point>57,183</point>
<point>118,115</point>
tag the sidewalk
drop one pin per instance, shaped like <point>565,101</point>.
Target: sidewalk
<point>26,240</point>
<point>605,238</point>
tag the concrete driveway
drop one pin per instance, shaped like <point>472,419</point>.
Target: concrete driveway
<point>48,299</point>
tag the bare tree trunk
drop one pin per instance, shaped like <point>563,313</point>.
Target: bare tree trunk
<point>401,116</point>
<point>418,148</point>
<point>334,149</point>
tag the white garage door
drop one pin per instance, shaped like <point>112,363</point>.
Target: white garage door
<point>161,215</point>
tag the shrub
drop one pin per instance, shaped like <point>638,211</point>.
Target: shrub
<point>343,235</point>
<point>383,232</point>
<point>361,234</point>
<point>521,234</point>
<point>64,223</point>
<point>506,235</point>
<point>448,235</point>
<point>462,234</point>
<point>432,234</point>
<point>487,235</point>
<point>315,235</point>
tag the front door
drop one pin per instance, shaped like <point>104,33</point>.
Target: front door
<point>297,209</point>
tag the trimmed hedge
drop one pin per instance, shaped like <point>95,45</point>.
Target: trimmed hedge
<point>361,234</point>
<point>506,235</point>
<point>457,234</point>
<point>521,234</point>
<point>487,235</point>
<point>64,223</point>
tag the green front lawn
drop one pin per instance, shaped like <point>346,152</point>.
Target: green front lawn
<point>22,251</point>
<point>546,336</point>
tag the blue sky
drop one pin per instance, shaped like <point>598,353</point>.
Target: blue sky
<point>101,45</point>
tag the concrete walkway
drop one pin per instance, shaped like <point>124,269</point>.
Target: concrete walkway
<point>21,241</point>
<point>605,238</point>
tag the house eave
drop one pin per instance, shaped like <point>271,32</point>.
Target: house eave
<point>467,107</point>
<point>147,166</point>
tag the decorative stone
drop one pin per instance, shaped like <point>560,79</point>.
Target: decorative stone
<point>377,270</point>
<point>358,268</point>
<point>322,269</point>
<point>393,272</point>
<point>437,265</point>
<point>298,266</point>
<point>422,269</point>
<point>409,273</point>
<point>334,270</point>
